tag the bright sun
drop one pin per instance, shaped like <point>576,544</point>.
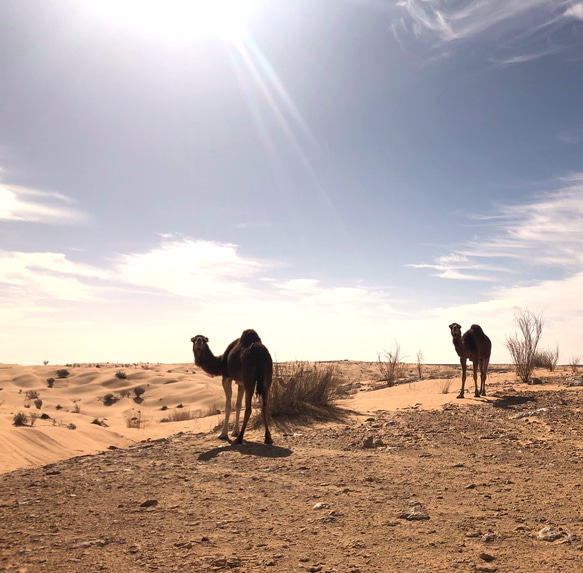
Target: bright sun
<point>183,18</point>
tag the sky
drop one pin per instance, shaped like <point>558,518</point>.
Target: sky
<point>340,175</point>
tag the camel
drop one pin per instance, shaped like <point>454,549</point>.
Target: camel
<point>246,361</point>
<point>476,346</point>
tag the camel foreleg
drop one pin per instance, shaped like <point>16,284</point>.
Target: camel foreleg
<point>248,401</point>
<point>228,395</point>
<point>463,363</point>
<point>240,394</point>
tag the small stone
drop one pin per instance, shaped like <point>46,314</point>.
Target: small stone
<point>368,443</point>
<point>149,503</point>
<point>487,557</point>
<point>319,505</point>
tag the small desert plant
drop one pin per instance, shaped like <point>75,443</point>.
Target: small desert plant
<point>109,399</point>
<point>138,391</point>
<point>523,346</point>
<point>45,362</point>
<point>547,359</point>
<point>38,403</point>
<point>444,385</point>
<point>33,418</point>
<point>99,422</point>
<point>76,409</point>
<point>123,394</point>
<point>62,373</point>
<point>58,407</point>
<point>71,426</point>
<point>31,395</point>
<point>135,421</point>
<point>20,419</point>
<point>179,416</point>
<point>50,382</point>
<point>574,364</point>
<point>420,365</point>
<point>299,386</point>
<point>214,409</point>
<point>391,368</point>
<point>121,375</point>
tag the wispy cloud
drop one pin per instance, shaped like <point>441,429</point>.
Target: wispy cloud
<point>27,205</point>
<point>547,232</point>
<point>518,27</point>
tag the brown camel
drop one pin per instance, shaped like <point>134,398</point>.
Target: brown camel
<point>246,361</point>
<point>476,346</point>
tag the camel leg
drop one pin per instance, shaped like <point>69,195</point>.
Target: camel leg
<point>475,365</point>
<point>483,374</point>
<point>463,363</point>
<point>265,413</point>
<point>248,400</point>
<point>240,393</point>
<point>228,394</point>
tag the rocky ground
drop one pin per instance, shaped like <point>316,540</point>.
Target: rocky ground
<point>494,486</point>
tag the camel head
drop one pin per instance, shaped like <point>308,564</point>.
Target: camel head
<point>456,330</point>
<point>199,346</point>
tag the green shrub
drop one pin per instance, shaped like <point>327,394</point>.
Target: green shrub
<point>138,391</point>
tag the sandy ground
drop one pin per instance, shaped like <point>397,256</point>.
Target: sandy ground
<point>398,479</point>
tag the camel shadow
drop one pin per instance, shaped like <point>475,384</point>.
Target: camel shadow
<point>247,449</point>
<point>506,402</point>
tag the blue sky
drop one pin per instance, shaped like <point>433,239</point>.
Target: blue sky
<point>337,174</point>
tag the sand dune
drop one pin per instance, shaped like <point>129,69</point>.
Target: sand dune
<point>76,420</point>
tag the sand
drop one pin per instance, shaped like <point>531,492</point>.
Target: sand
<point>74,405</point>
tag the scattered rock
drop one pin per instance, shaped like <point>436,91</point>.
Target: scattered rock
<point>149,503</point>
<point>416,512</point>
<point>487,557</point>
<point>550,533</point>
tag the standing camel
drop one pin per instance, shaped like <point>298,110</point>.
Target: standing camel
<point>245,361</point>
<point>476,346</point>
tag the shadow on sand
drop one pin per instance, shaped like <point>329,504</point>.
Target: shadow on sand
<point>511,401</point>
<point>247,449</point>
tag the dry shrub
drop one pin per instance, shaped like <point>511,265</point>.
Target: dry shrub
<point>547,359</point>
<point>574,364</point>
<point>109,399</point>
<point>181,415</point>
<point>215,409</point>
<point>121,375</point>
<point>444,386</point>
<point>62,373</point>
<point>38,403</point>
<point>136,421</point>
<point>391,368</point>
<point>299,386</point>
<point>31,395</point>
<point>420,365</point>
<point>20,419</point>
<point>523,345</point>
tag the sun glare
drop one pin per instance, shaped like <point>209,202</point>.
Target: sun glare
<point>179,18</point>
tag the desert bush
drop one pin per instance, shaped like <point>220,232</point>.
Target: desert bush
<point>50,382</point>
<point>390,364</point>
<point>523,345</point>
<point>179,415</point>
<point>45,362</point>
<point>20,419</point>
<point>33,418</point>
<point>31,395</point>
<point>71,426</point>
<point>58,407</point>
<point>121,375</point>
<point>444,385</point>
<point>547,359</point>
<point>574,364</point>
<point>99,422</point>
<point>123,394</point>
<point>109,399</point>
<point>214,409</point>
<point>420,365</point>
<point>76,409</point>
<point>38,403</point>
<point>299,386</point>
<point>138,391</point>
<point>62,373</point>
<point>135,421</point>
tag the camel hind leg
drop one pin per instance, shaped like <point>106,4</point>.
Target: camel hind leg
<point>249,388</point>
<point>240,394</point>
<point>265,414</point>
<point>483,374</point>
<point>475,366</point>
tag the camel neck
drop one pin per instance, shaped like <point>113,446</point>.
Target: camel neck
<point>210,363</point>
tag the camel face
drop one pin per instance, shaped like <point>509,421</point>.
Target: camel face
<point>198,344</point>
<point>456,329</point>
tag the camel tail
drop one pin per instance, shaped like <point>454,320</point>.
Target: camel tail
<point>264,368</point>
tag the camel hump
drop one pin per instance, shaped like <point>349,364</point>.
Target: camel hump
<point>249,337</point>
<point>477,328</point>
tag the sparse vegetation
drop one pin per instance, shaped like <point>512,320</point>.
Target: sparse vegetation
<point>547,359</point>
<point>444,385</point>
<point>121,375</point>
<point>390,364</point>
<point>20,419</point>
<point>523,345</point>
<point>31,395</point>
<point>63,373</point>
<point>38,403</point>
<point>76,408</point>
<point>420,365</point>
<point>299,386</point>
<point>139,391</point>
<point>99,422</point>
<point>109,399</point>
<point>179,415</point>
<point>214,409</point>
<point>45,362</point>
<point>50,382</point>
<point>135,421</point>
<point>574,364</point>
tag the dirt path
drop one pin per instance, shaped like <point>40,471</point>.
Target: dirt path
<point>464,488</point>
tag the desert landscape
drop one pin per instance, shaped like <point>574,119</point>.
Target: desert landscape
<point>117,467</point>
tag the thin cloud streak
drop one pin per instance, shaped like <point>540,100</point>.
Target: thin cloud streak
<point>27,205</point>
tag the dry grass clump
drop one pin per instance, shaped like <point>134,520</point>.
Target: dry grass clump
<point>547,359</point>
<point>31,395</point>
<point>136,421</point>
<point>390,364</point>
<point>299,387</point>
<point>20,419</point>
<point>179,415</point>
<point>574,364</point>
